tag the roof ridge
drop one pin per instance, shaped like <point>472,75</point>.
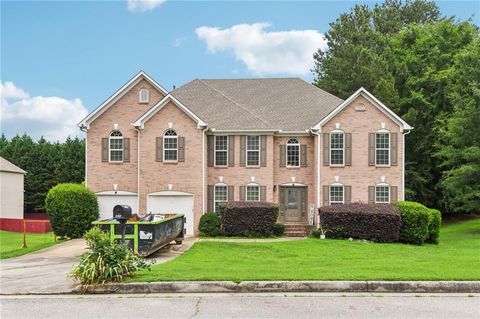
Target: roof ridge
<point>233,101</point>
<point>244,79</point>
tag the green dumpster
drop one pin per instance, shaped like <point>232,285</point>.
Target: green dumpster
<point>146,237</point>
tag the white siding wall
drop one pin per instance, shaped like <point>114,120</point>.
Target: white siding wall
<point>11,195</point>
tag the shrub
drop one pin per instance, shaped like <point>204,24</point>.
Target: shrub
<point>71,208</point>
<point>248,218</point>
<point>434,223</point>
<point>415,219</point>
<point>375,222</point>
<point>315,233</point>
<point>106,261</point>
<point>210,225</point>
<point>278,229</point>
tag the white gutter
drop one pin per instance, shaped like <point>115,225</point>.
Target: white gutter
<point>403,168</point>
<point>138,169</point>
<point>317,133</point>
<point>203,169</point>
<point>84,129</point>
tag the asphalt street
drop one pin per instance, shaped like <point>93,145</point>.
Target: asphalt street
<point>319,305</point>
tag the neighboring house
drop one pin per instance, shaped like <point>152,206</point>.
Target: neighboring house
<point>210,141</point>
<point>11,193</point>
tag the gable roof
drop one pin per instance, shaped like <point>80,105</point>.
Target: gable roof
<point>6,166</point>
<point>85,123</point>
<point>159,105</point>
<point>288,104</point>
<point>372,99</point>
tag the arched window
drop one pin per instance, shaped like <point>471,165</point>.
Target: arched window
<point>382,193</point>
<point>293,153</point>
<point>143,95</point>
<point>252,192</point>
<point>220,195</point>
<point>337,194</point>
<point>382,148</point>
<point>170,146</point>
<point>337,148</point>
<point>116,146</point>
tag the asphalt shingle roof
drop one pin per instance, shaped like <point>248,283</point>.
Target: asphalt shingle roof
<point>289,104</point>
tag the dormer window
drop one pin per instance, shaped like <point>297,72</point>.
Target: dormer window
<point>143,95</point>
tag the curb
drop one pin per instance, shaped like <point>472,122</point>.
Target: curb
<point>286,286</point>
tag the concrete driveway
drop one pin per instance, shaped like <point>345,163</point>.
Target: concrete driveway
<point>41,272</point>
<point>46,271</point>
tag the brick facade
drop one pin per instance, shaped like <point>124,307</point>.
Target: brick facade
<point>187,176</point>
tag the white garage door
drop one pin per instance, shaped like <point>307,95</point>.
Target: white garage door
<point>171,202</point>
<point>107,200</point>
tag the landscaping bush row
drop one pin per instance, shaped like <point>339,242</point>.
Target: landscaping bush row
<point>408,222</point>
<point>244,219</point>
<point>375,222</point>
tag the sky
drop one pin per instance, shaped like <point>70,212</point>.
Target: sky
<point>61,59</point>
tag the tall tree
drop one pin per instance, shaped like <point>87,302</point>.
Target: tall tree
<point>404,54</point>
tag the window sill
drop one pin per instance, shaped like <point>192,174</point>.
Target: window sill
<point>170,162</point>
<point>337,165</point>
<point>143,102</point>
<point>253,166</point>
<point>381,166</point>
<point>115,162</point>
<point>293,167</point>
<point>221,167</point>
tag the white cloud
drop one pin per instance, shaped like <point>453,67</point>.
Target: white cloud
<point>143,5</point>
<point>264,52</point>
<point>52,117</point>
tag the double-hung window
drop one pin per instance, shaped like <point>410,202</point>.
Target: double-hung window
<point>170,146</point>
<point>253,150</point>
<point>253,193</point>
<point>337,151</point>
<point>116,147</point>
<point>293,153</point>
<point>382,194</point>
<point>221,150</point>
<point>382,148</point>
<point>336,194</point>
<point>221,196</point>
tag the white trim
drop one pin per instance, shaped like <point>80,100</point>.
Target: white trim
<point>140,95</point>
<point>85,122</point>
<point>372,99</point>
<point>170,193</point>
<point>215,150</point>
<point>116,193</point>
<point>299,153</point>
<point>138,168</point>
<point>318,169</point>
<point>86,159</point>
<point>258,151</point>
<point>140,123</point>
<point>170,149</point>
<point>330,193</point>
<point>246,192</point>
<point>203,171</point>
<point>403,167</point>
<point>215,195</point>
<point>389,195</point>
<point>330,148</point>
<point>294,184</point>
<point>388,149</point>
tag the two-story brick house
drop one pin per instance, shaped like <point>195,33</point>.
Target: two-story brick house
<point>210,141</point>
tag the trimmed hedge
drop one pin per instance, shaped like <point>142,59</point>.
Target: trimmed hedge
<point>71,208</point>
<point>210,225</point>
<point>416,219</point>
<point>434,223</point>
<point>278,229</point>
<point>375,222</point>
<point>249,219</point>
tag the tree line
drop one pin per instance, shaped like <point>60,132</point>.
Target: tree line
<point>426,68</point>
<point>46,163</point>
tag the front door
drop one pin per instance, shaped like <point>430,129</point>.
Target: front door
<point>293,203</point>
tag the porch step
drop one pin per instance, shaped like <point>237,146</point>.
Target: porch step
<point>296,230</point>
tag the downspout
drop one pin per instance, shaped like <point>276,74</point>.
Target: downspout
<point>84,129</point>
<point>317,133</point>
<point>203,169</point>
<point>403,168</point>
<point>138,168</point>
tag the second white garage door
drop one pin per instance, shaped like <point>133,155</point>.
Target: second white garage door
<point>171,202</point>
<point>108,200</point>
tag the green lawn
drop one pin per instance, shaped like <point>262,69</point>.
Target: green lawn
<point>457,257</point>
<point>11,243</point>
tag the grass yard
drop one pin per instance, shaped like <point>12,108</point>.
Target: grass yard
<point>11,243</point>
<point>457,257</point>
